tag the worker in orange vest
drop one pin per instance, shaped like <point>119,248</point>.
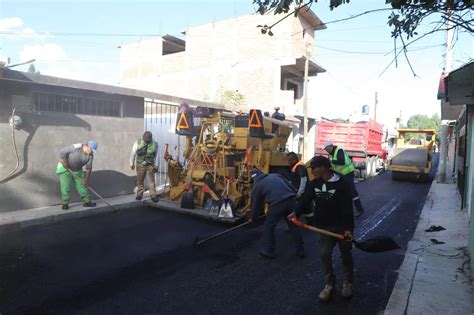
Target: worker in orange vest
<point>299,179</point>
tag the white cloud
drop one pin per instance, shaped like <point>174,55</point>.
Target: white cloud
<point>10,23</point>
<point>13,27</point>
<point>52,59</point>
<point>44,53</point>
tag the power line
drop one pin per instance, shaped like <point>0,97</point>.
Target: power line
<point>13,33</point>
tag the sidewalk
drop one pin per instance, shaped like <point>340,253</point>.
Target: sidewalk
<point>14,220</point>
<point>435,278</point>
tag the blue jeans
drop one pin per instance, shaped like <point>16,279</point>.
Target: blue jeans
<point>275,214</point>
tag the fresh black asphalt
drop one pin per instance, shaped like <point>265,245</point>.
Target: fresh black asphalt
<point>144,261</point>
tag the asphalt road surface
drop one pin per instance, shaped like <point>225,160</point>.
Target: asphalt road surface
<point>144,261</point>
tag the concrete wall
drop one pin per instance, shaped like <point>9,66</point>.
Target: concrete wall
<point>44,133</point>
<point>226,55</point>
<point>470,182</point>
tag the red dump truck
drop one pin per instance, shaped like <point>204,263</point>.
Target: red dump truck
<point>361,140</point>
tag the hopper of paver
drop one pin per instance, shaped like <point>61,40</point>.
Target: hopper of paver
<point>412,157</point>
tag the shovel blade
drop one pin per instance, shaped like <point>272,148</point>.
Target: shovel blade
<point>187,200</point>
<point>214,210</point>
<point>226,210</point>
<point>377,244</point>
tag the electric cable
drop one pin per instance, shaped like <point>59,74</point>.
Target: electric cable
<point>14,146</point>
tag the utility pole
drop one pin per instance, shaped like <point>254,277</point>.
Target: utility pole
<point>444,124</point>
<point>305,106</point>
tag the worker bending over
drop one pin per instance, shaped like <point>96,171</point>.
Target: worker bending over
<point>71,161</point>
<point>275,190</point>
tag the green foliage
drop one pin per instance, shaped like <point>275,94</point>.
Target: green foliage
<point>407,18</point>
<point>423,122</point>
<point>32,69</point>
<point>283,6</point>
<point>234,98</point>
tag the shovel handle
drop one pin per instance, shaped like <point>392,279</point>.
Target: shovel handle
<point>222,233</point>
<point>314,229</point>
<point>92,190</point>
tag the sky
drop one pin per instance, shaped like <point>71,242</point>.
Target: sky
<point>80,40</point>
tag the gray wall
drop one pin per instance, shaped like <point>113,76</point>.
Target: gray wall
<point>35,183</point>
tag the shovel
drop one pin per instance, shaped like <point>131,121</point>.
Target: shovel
<point>92,190</point>
<point>198,242</point>
<point>377,244</point>
<point>226,208</point>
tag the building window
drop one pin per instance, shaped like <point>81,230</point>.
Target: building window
<point>295,87</point>
<point>45,102</point>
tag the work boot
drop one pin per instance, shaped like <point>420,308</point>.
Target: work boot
<point>89,204</point>
<point>346,289</point>
<point>326,293</point>
<point>138,197</point>
<point>65,206</point>
<point>266,255</point>
<point>358,213</point>
<point>155,199</point>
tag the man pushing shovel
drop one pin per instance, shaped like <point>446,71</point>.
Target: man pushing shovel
<point>333,212</point>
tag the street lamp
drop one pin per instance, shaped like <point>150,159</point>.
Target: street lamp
<point>2,65</point>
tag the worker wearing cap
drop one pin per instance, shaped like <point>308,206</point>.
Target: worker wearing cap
<point>333,212</point>
<point>143,159</point>
<point>275,190</point>
<point>72,159</point>
<point>278,116</point>
<point>299,180</point>
<point>342,164</point>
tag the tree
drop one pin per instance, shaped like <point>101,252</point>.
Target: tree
<point>32,69</point>
<point>404,19</point>
<point>424,122</point>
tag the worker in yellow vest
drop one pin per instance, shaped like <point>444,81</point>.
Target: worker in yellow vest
<point>143,158</point>
<point>342,164</point>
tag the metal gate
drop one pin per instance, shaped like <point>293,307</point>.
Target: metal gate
<point>160,119</point>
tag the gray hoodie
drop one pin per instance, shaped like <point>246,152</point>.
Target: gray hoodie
<point>271,189</point>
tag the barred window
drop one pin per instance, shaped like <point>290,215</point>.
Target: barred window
<point>76,105</point>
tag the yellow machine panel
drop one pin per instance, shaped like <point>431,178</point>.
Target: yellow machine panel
<point>214,180</point>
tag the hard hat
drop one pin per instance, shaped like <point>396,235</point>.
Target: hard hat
<point>93,145</point>
<point>327,144</point>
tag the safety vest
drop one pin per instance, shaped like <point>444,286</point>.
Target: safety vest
<point>146,152</point>
<point>296,165</point>
<point>345,169</point>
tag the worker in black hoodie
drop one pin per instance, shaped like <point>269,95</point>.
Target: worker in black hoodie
<point>275,190</point>
<point>333,212</point>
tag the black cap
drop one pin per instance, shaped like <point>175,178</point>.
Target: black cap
<point>147,136</point>
<point>320,161</point>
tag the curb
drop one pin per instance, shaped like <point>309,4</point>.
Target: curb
<point>47,215</point>
<point>400,296</point>
<point>398,301</point>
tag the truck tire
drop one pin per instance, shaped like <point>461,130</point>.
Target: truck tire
<point>357,173</point>
<point>373,161</point>
<point>368,167</point>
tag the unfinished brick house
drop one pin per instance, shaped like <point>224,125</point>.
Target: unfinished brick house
<point>230,56</point>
